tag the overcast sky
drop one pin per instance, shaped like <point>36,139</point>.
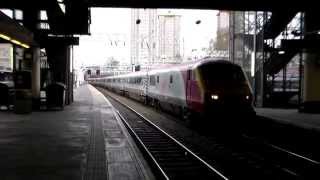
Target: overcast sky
<point>110,24</point>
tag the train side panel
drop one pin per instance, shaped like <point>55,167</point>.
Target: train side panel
<point>195,91</point>
<point>168,90</point>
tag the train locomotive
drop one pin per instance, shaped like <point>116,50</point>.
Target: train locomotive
<point>204,88</point>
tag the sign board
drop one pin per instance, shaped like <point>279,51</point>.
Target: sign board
<point>6,57</point>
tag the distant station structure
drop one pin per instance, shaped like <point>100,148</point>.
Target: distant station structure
<point>278,47</point>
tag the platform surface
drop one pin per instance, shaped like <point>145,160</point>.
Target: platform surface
<point>292,117</point>
<point>84,141</point>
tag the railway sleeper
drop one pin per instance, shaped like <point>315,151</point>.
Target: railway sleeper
<point>160,142</point>
<point>161,148</point>
<point>176,156</point>
<point>181,164</point>
<point>151,136</point>
<point>188,173</point>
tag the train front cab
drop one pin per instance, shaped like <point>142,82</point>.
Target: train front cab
<point>224,90</point>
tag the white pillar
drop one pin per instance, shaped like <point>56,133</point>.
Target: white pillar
<point>36,74</point>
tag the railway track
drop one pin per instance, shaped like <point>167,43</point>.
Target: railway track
<point>238,156</point>
<point>295,164</point>
<point>169,157</point>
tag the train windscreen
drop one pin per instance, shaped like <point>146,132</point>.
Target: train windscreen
<point>222,73</point>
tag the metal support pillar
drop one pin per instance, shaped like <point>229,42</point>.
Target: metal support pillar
<point>36,77</point>
<point>300,95</point>
<point>68,79</point>
<point>231,32</point>
<point>59,59</point>
<point>311,83</point>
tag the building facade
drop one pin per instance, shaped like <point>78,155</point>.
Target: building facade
<point>155,37</point>
<point>143,35</point>
<point>169,27</point>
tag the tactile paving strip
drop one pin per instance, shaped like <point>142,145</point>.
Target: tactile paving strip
<point>96,162</point>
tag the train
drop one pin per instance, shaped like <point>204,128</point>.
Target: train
<point>199,89</point>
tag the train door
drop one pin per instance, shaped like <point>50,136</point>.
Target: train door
<point>188,87</point>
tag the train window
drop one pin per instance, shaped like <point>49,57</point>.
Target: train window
<point>171,79</point>
<point>152,81</point>
<point>222,72</point>
<point>138,80</point>
<point>157,79</point>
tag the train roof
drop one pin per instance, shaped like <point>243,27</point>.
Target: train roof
<point>175,67</point>
<point>211,61</point>
<point>191,65</point>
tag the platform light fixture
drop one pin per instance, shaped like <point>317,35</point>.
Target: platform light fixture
<point>20,43</point>
<point>15,41</point>
<point>281,52</point>
<point>5,37</point>
<point>25,46</point>
<point>253,60</point>
<point>62,5</point>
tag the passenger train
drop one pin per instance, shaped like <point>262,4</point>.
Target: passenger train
<point>204,88</point>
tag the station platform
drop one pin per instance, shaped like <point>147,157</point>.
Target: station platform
<point>291,117</point>
<point>86,140</point>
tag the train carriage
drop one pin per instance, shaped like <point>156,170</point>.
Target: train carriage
<point>204,88</point>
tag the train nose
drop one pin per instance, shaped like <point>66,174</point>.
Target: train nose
<point>228,104</point>
<point>229,98</point>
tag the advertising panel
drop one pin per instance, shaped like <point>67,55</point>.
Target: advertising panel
<point>6,57</point>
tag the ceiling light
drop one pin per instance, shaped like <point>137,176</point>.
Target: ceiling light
<point>25,45</point>
<point>15,42</point>
<point>5,37</point>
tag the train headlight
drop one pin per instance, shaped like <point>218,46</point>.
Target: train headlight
<point>247,97</point>
<point>214,97</point>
